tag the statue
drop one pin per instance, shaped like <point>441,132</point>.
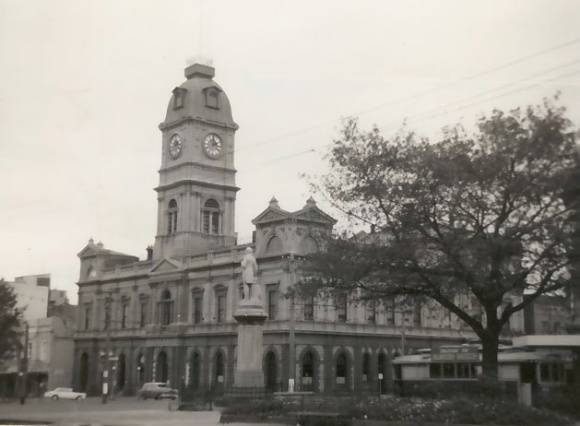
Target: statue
<point>251,289</point>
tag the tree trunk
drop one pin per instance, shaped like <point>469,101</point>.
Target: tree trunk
<point>489,351</point>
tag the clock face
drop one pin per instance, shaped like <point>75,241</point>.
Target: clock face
<point>212,146</point>
<point>175,146</point>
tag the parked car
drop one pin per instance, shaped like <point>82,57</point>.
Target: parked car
<point>157,390</point>
<point>64,393</point>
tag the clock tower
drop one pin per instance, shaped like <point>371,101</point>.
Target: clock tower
<point>197,191</point>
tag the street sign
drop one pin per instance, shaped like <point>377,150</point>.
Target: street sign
<point>380,376</point>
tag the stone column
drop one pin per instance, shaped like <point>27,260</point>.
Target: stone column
<point>248,374</point>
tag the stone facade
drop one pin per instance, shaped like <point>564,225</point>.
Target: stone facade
<point>170,317</point>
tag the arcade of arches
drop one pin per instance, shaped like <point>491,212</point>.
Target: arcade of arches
<point>318,368</point>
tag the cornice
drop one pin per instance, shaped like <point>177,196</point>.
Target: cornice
<point>167,126</point>
<point>197,164</point>
<point>198,183</point>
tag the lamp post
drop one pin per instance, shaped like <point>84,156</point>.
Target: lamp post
<point>291,334</point>
<point>107,354</point>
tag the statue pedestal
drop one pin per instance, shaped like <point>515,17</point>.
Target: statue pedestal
<point>249,376</point>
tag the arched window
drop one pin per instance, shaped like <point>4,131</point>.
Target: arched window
<point>381,367</point>
<point>121,372</point>
<point>366,367</point>
<point>194,372</point>
<point>210,216</point>
<point>165,308</point>
<point>270,372</point>
<point>341,369</point>
<point>162,368</point>
<point>140,369</point>
<point>172,217</point>
<point>219,370</point>
<point>307,379</point>
<point>308,245</point>
<point>84,372</point>
<point>274,245</point>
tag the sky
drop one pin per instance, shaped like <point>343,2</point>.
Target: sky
<point>84,85</point>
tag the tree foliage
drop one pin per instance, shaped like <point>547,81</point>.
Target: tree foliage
<point>479,214</point>
<point>10,318</point>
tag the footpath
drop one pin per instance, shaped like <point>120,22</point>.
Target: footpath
<point>91,412</point>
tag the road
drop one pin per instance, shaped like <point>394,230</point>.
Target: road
<point>120,412</point>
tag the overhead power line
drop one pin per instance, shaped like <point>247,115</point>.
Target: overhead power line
<point>501,95</point>
<point>436,112</point>
<point>419,94</point>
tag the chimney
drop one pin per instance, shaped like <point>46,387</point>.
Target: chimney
<point>149,252</point>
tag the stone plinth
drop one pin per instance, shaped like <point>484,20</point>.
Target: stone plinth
<point>249,374</point>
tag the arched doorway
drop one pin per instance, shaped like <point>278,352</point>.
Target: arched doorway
<point>84,372</point>
<point>381,369</point>
<point>270,372</point>
<point>162,368</point>
<point>121,372</point>
<point>341,372</point>
<point>219,372</point>
<point>140,370</point>
<point>366,368</point>
<point>308,372</point>
<point>194,371</point>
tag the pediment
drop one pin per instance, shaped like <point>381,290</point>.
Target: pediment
<point>166,265</point>
<point>271,215</point>
<point>314,214</point>
<point>87,251</point>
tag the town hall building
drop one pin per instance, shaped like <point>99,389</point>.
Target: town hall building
<point>169,317</point>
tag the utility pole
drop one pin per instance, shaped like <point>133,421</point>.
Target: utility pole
<point>23,373</point>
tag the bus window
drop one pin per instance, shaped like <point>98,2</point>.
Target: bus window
<point>466,371</point>
<point>528,372</point>
<point>473,370</point>
<point>435,371</point>
<point>448,371</point>
<point>552,372</point>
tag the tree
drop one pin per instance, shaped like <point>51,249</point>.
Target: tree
<point>10,318</point>
<point>475,214</point>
